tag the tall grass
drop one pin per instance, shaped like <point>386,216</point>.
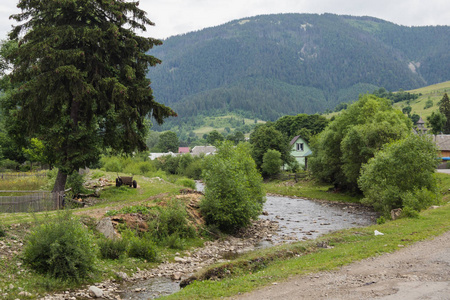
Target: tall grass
<point>29,183</point>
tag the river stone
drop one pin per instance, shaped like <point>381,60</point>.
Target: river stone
<point>95,292</point>
<point>106,227</point>
<point>179,259</point>
<point>122,275</point>
<point>176,276</point>
<point>395,213</point>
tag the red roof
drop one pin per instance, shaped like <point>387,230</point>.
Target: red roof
<point>183,150</point>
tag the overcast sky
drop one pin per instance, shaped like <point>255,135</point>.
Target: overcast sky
<point>174,17</point>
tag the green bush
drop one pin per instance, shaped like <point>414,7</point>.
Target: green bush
<point>112,248</point>
<point>189,183</point>
<point>61,248</point>
<point>75,181</point>
<point>174,241</point>
<point>139,167</point>
<point>271,162</point>
<point>111,164</point>
<point>9,164</point>
<point>381,220</point>
<point>419,199</point>
<point>233,194</point>
<point>142,248</point>
<point>194,169</point>
<point>428,104</point>
<point>170,220</point>
<point>401,175</point>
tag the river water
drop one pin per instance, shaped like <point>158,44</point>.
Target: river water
<point>298,219</point>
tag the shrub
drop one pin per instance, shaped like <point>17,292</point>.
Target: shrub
<point>142,248</point>
<point>428,104</point>
<point>170,220</point>
<point>194,169</point>
<point>139,167</point>
<point>111,164</point>
<point>61,248</point>
<point>381,220</point>
<point>75,181</point>
<point>401,175</point>
<point>9,164</point>
<point>112,248</point>
<point>174,241</point>
<point>189,183</point>
<point>271,162</point>
<point>233,188</point>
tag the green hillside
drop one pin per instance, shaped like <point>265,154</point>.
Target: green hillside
<point>268,66</point>
<point>433,92</point>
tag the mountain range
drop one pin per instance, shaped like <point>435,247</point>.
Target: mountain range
<point>273,65</point>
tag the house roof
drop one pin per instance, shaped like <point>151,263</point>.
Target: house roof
<point>153,156</point>
<point>203,149</point>
<point>294,140</point>
<point>183,150</point>
<point>442,141</point>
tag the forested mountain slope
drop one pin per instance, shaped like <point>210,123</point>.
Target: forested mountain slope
<point>273,65</point>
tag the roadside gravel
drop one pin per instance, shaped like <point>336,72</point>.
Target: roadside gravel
<point>420,271</point>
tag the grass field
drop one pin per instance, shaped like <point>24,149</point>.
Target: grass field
<point>433,92</point>
<point>221,122</point>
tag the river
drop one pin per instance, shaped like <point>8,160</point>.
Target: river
<point>298,219</point>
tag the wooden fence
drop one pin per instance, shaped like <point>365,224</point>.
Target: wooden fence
<point>35,201</point>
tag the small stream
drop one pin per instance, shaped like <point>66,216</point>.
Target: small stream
<point>301,219</point>
<point>298,219</point>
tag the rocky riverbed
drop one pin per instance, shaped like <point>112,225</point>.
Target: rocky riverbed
<point>183,265</point>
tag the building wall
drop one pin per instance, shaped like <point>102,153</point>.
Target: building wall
<point>299,154</point>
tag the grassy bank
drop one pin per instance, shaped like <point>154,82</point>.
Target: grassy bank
<point>309,189</point>
<point>14,228</point>
<point>264,267</point>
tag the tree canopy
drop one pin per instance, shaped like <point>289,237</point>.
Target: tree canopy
<point>266,137</point>
<point>80,77</point>
<point>354,137</point>
<point>168,141</point>
<point>444,108</point>
<point>401,175</point>
<point>234,193</point>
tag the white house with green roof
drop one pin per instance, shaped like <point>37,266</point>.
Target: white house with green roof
<point>300,151</point>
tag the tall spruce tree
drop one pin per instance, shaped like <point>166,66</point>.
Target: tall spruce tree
<point>444,108</point>
<point>80,72</point>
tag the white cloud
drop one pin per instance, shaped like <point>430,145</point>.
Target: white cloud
<point>180,16</point>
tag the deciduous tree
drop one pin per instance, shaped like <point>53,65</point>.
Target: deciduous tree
<point>437,122</point>
<point>168,141</point>
<point>353,138</point>
<point>234,193</point>
<point>401,175</point>
<point>266,137</point>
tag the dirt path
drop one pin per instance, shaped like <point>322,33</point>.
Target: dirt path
<point>420,271</point>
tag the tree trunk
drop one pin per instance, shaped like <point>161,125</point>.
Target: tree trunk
<point>60,182</point>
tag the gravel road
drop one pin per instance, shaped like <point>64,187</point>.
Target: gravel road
<point>420,271</point>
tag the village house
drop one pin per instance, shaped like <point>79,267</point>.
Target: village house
<point>300,151</point>
<point>207,150</point>
<point>183,150</point>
